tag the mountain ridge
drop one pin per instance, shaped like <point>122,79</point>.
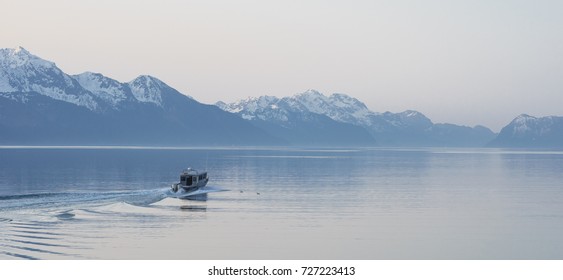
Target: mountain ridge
<point>284,118</point>
<point>527,131</point>
<point>408,128</point>
<point>40,104</point>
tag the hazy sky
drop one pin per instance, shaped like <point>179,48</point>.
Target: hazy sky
<point>465,62</point>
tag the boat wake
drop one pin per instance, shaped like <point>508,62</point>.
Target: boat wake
<point>63,200</point>
<point>66,200</point>
<point>69,225</point>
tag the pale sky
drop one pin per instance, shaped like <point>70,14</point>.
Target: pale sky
<point>463,62</point>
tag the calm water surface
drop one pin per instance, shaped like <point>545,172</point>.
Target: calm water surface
<point>94,203</point>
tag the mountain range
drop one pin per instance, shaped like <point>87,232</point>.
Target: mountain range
<point>529,131</point>
<point>42,105</point>
<point>409,128</point>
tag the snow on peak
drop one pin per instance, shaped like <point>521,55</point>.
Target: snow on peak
<point>21,71</point>
<point>523,123</point>
<point>311,93</point>
<point>350,104</point>
<point>263,107</point>
<point>148,89</point>
<point>411,117</point>
<point>524,118</point>
<point>250,104</point>
<point>20,49</point>
<point>18,57</point>
<point>103,87</point>
<point>339,107</point>
<point>344,98</point>
<point>411,114</point>
<point>265,101</point>
<point>529,125</point>
<point>313,100</point>
<point>149,80</point>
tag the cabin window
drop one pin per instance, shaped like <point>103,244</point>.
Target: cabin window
<point>188,180</point>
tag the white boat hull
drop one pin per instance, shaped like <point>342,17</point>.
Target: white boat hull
<point>182,193</point>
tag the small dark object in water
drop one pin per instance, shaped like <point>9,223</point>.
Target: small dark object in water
<point>258,193</point>
<point>241,191</point>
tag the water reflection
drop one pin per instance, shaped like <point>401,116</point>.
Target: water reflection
<point>199,197</point>
<point>194,208</point>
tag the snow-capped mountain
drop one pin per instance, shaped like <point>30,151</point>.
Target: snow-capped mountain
<point>144,89</point>
<point>339,107</point>
<point>148,89</point>
<point>526,125</point>
<point>530,131</point>
<point>40,104</point>
<point>289,119</point>
<point>265,108</point>
<point>104,88</point>
<point>408,128</point>
<point>23,72</point>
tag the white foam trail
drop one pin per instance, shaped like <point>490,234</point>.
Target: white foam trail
<point>205,190</point>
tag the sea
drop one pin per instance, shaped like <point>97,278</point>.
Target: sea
<point>281,203</point>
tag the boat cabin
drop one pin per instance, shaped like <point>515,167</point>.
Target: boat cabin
<point>193,178</point>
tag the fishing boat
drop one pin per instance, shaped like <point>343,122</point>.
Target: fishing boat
<point>191,180</point>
